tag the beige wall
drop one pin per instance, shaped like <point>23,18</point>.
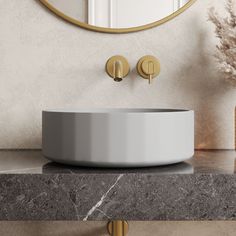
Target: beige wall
<point>48,63</point>
<point>136,229</point>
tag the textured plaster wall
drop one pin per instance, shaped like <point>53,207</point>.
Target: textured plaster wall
<point>48,63</point>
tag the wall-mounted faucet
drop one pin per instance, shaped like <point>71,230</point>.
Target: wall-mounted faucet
<point>117,67</point>
<point>148,67</point>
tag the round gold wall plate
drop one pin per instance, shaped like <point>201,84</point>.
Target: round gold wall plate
<point>143,64</point>
<point>111,63</point>
<point>115,30</point>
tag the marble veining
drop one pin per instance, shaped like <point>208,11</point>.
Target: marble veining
<point>204,188</point>
<point>99,203</point>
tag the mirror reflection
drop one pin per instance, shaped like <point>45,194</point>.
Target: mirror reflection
<point>118,13</point>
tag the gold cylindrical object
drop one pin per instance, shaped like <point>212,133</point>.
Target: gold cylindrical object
<point>117,228</point>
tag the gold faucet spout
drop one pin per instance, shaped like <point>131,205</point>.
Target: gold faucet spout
<point>118,71</point>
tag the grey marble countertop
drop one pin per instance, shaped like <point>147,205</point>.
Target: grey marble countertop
<point>32,188</point>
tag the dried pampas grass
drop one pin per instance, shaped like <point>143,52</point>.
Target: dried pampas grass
<point>226,32</point>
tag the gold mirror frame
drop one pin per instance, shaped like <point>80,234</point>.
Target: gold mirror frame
<point>118,30</point>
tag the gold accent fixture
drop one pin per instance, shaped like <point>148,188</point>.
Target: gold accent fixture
<point>117,228</point>
<point>148,67</point>
<point>117,67</point>
<point>235,128</point>
<point>118,30</point>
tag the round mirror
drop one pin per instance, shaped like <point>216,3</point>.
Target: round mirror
<point>117,16</point>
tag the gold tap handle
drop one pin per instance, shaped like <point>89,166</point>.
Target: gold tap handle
<point>150,79</point>
<point>150,71</point>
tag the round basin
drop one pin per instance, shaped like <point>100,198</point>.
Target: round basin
<point>118,137</point>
